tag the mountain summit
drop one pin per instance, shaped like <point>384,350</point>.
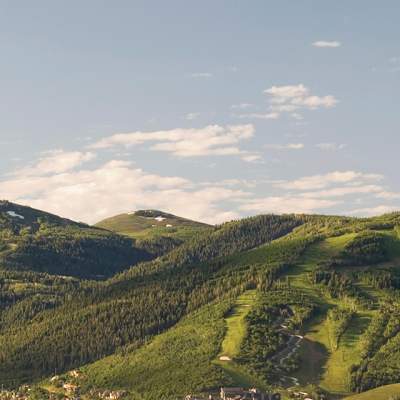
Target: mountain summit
<point>152,223</point>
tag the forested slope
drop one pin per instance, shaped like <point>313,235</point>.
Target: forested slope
<point>325,314</point>
<point>98,318</point>
<point>32,240</point>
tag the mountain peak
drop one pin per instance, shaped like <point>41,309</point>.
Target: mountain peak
<point>150,223</point>
<point>152,214</point>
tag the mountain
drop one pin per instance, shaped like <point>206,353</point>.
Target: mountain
<point>16,217</point>
<point>306,303</point>
<point>33,240</point>
<point>152,223</point>
<point>97,319</point>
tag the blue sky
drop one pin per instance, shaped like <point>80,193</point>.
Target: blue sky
<point>213,110</point>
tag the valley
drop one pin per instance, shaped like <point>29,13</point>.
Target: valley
<point>294,304</point>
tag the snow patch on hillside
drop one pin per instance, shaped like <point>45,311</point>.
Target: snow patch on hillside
<point>15,215</point>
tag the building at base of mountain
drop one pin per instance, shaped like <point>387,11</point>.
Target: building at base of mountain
<point>237,393</point>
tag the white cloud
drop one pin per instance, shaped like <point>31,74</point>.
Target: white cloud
<point>270,115</point>
<point>322,181</point>
<point>292,99</point>
<point>282,108</point>
<point>116,187</point>
<point>315,102</point>
<point>60,182</point>
<point>286,204</point>
<point>252,158</point>
<point>343,191</point>
<point>280,93</point>
<point>327,44</point>
<point>95,192</point>
<point>310,194</point>
<point>57,161</point>
<point>212,140</point>
<point>201,75</point>
<point>289,146</point>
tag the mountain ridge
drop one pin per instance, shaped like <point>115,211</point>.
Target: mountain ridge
<point>157,329</point>
<point>34,240</point>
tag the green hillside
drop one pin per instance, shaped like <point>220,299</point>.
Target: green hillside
<point>172,364</point>
<point>383,393</point>
<point>292,303</point>
<point>100,318</point>
<point>32,240</point>
<point>152,223</point>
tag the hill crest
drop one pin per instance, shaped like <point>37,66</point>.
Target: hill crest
<point>152,223</point>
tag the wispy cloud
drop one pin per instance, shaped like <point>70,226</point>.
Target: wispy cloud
<point>191,116</point>
<point>56,161</point>
<point>387,195</point>
<point>372,211</point>
<point>327,44</point>
<point>212,140</point>
<point>201,75</point>
<point>241,106</point>
<point>395,64</point>
<point>343,191</point>
<point>269,115</point>
<point>289,146</point>
<point>288,100</point>
<point>293,97</point>
<point>322,181</point>
<point>252,158</point>
<point>286,204</point>
<point>321,192</point>
<point>330,146</point>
